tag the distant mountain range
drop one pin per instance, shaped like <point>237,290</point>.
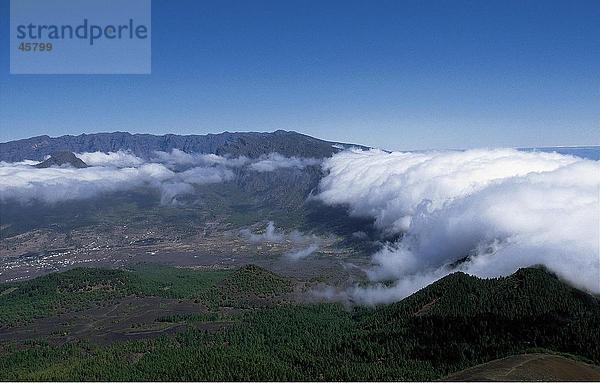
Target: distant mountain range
<point>250,144</point>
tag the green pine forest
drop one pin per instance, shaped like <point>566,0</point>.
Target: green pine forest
<point>261,331</point>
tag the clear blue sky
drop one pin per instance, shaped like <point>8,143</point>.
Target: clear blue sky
<point>411,74</point>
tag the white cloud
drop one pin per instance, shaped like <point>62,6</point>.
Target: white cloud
<point>503,209</point>
<point>115,171</point>
<point>181,183</point>
<point>303,245</point>
<point>205,175</point>
<point>271,234</point>
<point>23,183</point>
<point>24,162</point>
<point>179,157</point>
<point>276,161</point>
<point>265,163</point>
<point>169,191</point>
<point>302,253</point>
<point>360,235</point>
<point>120,159</point>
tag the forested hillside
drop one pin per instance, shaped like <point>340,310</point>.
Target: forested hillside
<point>248,325</point>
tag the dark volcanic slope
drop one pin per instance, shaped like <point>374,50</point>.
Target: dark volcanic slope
<point>60,159</point>
<point>248,144</point>
<point>251,325</point>
<point>530,367</point>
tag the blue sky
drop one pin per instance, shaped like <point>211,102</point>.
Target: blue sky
<point>393,74</point>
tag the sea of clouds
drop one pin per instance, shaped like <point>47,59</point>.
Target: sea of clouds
<point>484,212</point>
<point>173,173</point>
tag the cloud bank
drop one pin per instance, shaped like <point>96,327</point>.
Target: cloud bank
<point>120,159</point>
<point>23,183</point>
<point>276,161</point>
<point>485,212</point>
<point>173,173</point>
<point>178,157</point>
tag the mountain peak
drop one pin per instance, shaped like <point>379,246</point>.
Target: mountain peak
<point>62,158</point>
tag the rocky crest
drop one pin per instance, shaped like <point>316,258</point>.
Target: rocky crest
<point>62,158</point>
<point>249,144</point>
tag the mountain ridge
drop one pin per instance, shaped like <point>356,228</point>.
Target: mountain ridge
<point>249,144</point>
